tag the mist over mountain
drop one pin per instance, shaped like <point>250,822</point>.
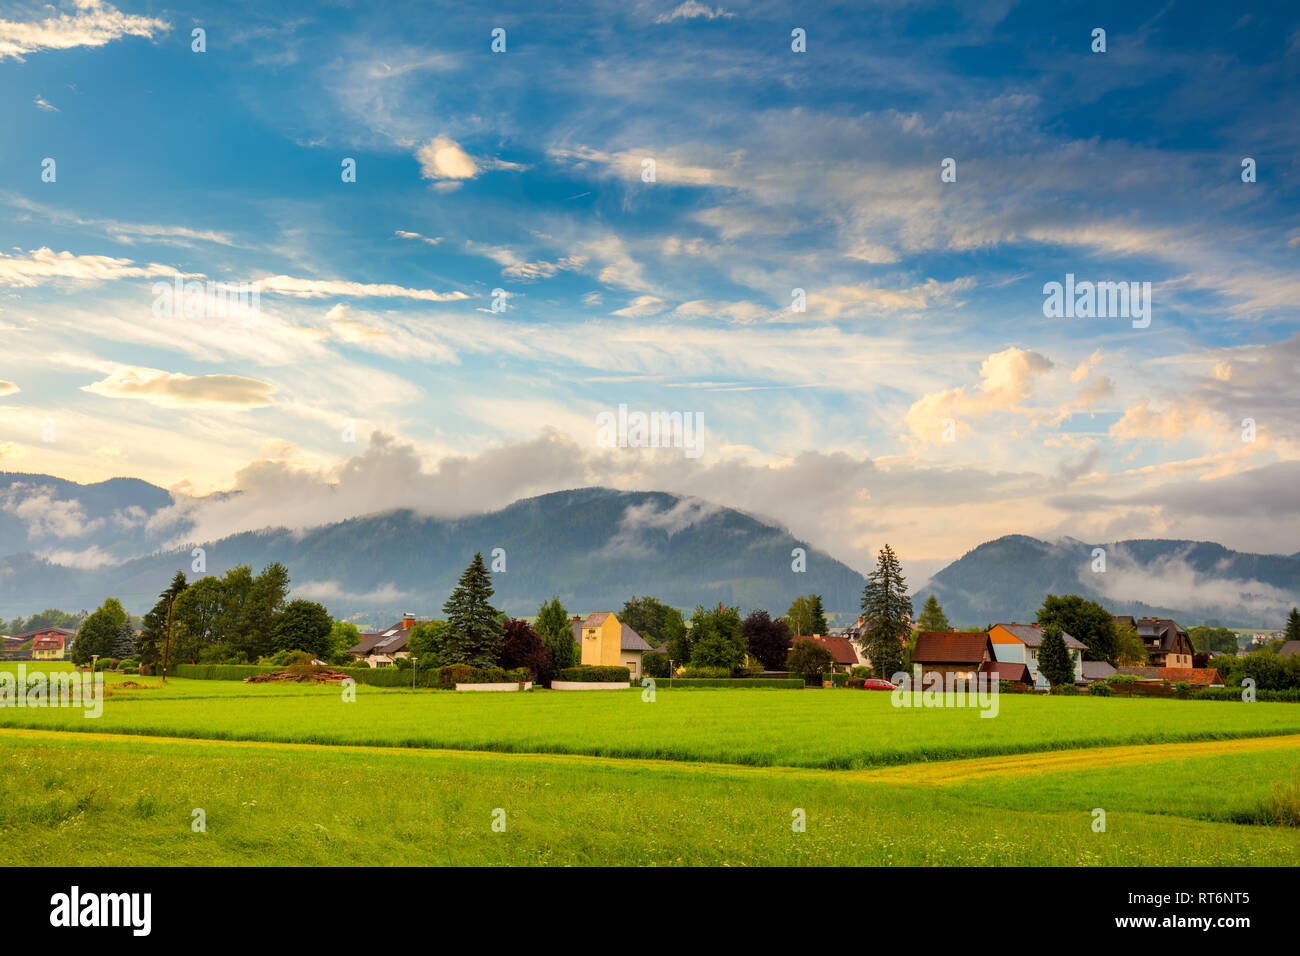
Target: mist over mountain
<point>593,547</point>
<point>69,545</point>
<point>1192,581</point>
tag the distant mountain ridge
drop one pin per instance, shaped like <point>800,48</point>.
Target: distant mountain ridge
<point>594,547</point>
<point>1190,581</point>
<point>70,545</point>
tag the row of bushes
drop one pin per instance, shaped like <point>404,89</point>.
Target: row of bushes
<point>1234,693</point>
<point>593,674</point>
<point>745,683</point>
<point>445,677</point>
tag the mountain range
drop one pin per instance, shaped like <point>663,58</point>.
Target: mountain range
<point>68,545</point>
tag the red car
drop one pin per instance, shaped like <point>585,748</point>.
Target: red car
<point>876,683</point>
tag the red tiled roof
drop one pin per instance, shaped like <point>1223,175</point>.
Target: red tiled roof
<point>840,648</point>
<point>1193,675</point>
<point>950,647</point>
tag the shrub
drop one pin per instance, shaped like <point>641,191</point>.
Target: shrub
<point>452,674</point>
<point>1099,689</point>
<point>1064,690</point>
<point>808,659</point>
<point>1183,688</point>
<point>705,672</point>
<point>590,673</point>
<point>654,664</point>
<point>1122,679</point>
<point>857,682</point>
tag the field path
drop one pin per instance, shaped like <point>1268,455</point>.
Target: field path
<point>933,774</point>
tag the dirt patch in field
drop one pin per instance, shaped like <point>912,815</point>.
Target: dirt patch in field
<point>299,676</point>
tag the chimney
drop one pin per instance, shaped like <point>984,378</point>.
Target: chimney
<point>408,619</point>
<point>577,617</point>
<point>1035,624</point>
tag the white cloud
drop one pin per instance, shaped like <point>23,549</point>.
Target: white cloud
<point>692,10</point>
<point>94,23</point>
<point>8,388</point>
<point>176,390</point>
<point>45,515</point>
<point>323,288</point>
<point>44,264</point>
<point>444,161</point>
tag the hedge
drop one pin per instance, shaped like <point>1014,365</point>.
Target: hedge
<point>590,673</point>
<point>374,676</point>
<point>1234,693</point>
<point>744,683</point>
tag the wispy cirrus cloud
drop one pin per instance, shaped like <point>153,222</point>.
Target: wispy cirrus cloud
<point>93,23</point>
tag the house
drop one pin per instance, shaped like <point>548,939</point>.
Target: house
<point>844,653</point>
<point>945,656</point>
<point>48,643</point>
<point>1196,676</point>
<point>1094,671</point>
<point>383,648</point>
<point>605,641</point>
<point>1019,644</point>
<point>1167,644</point>
<point>1289,649</point>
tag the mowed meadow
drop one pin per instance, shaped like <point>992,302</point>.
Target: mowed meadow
<point>295,774</point>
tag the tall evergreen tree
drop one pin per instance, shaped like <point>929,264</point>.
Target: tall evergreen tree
<point>1292,626</point>
<point>556,629</point>
<point>1053,658</point>
<point>932,617</point>
<point>887,614</point>
<point>819,622</point>
<point>124,642</point>
<point>474,632</point>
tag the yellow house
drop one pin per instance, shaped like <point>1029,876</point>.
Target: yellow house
<point>605,641</point>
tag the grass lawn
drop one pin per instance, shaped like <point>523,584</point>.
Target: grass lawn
<point>295,774</point>
<point>78,799</point>
<point>810,728</point>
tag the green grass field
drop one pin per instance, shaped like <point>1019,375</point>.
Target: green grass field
<point>812,728</point>
<point>294,774</point>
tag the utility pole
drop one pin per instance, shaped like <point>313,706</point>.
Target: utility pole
<point>167,641</point>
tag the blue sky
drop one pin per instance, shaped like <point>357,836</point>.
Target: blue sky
<point>775,170</point>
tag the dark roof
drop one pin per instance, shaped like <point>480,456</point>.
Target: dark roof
<point>629,640</point>
<point>59,631</point>
<point>1007,670</point>
<point>1289,649</point>
<point>388,641</point>
<point>1160,633</point>
<point>1097,670</point>
<point>840,648</point>
<point>1032,635</point>
<point>951,647</point>
<point>632,641</point>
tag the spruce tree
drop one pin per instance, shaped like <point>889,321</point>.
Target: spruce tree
<point>887,614</point>
<point>1292,626</point>
<point>1054,658</point>
<point>474,631</point>
<point>124,642</point>
<point>819,623</point>
<point>932,617</point>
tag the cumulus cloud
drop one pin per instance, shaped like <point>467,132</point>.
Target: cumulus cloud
<point>444,161</point>
<point>1006,378</point>
<point>94,23</point>
<point>177,390</point>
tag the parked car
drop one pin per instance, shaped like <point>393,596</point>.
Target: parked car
<point>876,683</point>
